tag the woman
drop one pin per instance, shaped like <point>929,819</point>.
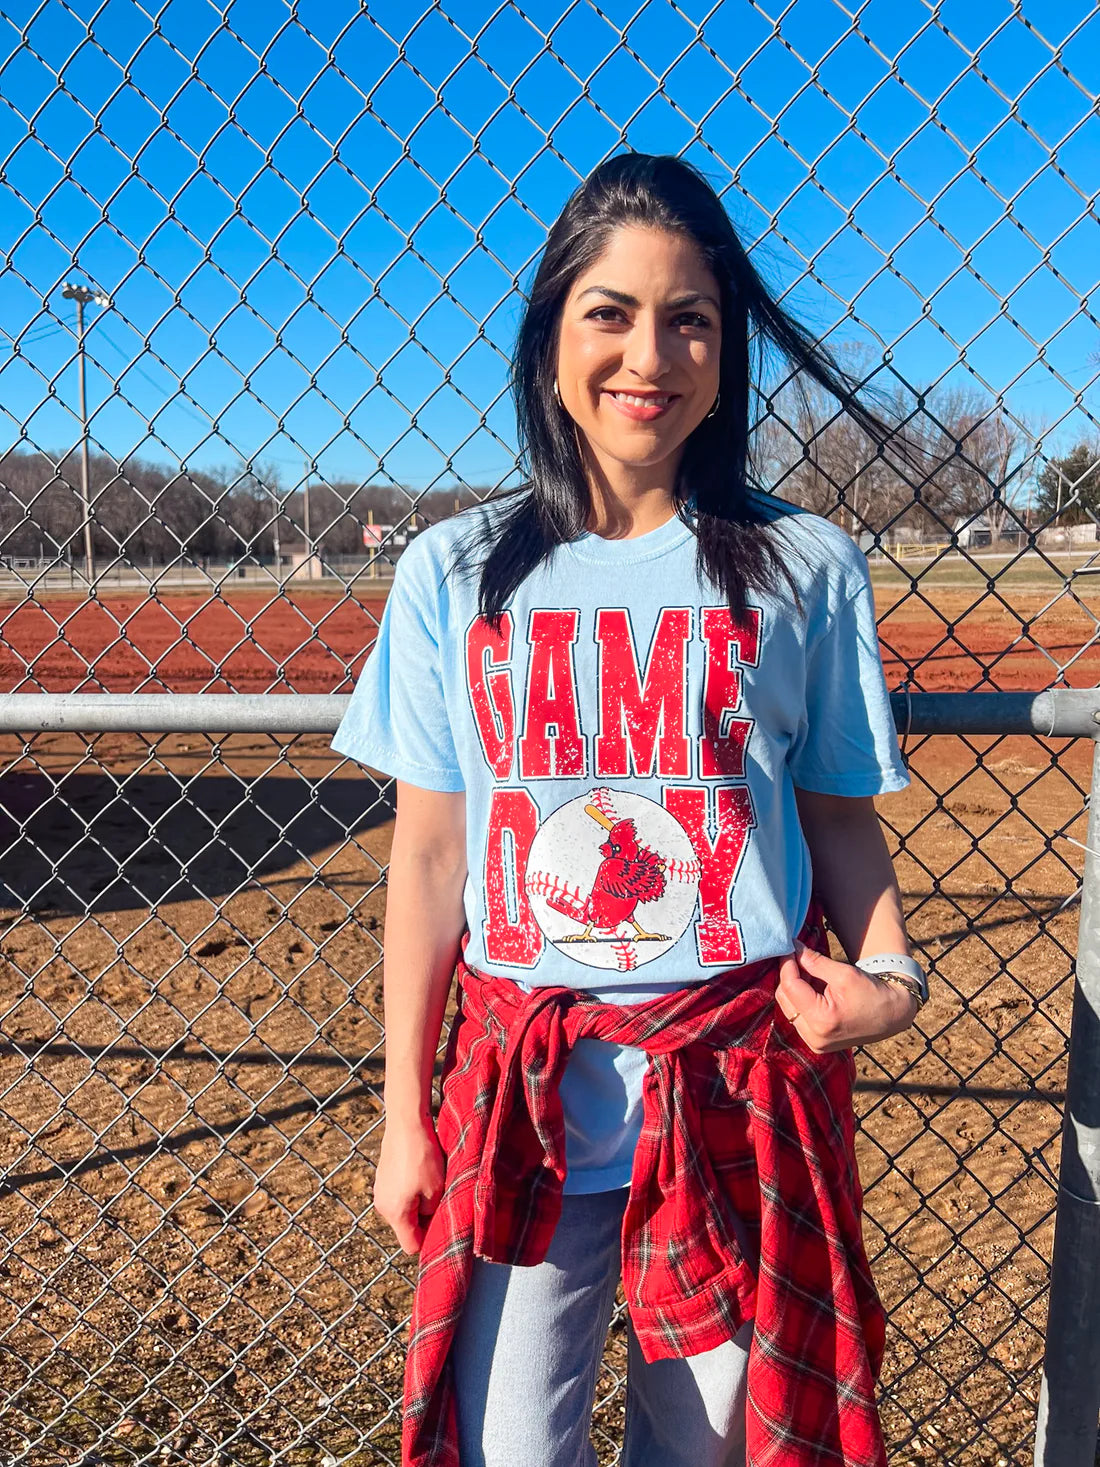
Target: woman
<point>630,710</point>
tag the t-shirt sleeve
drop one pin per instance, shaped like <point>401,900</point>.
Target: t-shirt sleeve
<point>397,720</point>
<point>847,743</point>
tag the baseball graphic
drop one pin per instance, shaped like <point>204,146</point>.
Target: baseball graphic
<point>612,879</point>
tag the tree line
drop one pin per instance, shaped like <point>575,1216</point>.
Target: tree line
<point>144,512</point>
<point>956,457</point>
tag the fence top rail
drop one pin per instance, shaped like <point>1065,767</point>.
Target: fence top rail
<point>1056,713</point>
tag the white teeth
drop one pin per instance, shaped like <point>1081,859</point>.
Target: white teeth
<point>642,401</point>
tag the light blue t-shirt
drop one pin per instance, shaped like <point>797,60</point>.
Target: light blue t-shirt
<point>629,756</point>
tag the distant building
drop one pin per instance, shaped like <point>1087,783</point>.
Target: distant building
<point>973,531</point>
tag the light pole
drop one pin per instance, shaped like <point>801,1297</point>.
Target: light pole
<point>83,295</point>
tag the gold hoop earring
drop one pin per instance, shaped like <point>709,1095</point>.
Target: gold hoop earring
<point>714,409</point>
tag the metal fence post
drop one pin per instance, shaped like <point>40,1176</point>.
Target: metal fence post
<point>1069,1399</point>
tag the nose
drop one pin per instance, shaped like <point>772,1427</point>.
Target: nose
<point>645,352</point>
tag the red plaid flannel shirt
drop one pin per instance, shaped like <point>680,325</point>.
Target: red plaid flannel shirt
<point>740,1117</point>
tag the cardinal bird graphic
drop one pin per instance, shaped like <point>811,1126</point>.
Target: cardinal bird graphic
<point>628,874</point>
<point>585,895</point>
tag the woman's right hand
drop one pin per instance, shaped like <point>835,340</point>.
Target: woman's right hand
<point>408,1180</point>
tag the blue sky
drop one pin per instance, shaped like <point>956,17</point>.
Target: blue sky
<point>309,235</point>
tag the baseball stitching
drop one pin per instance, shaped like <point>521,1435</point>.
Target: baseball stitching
<point>601,798</point>
<point>556,893</point>
<point>626,956</point>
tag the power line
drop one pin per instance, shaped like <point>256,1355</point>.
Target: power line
<point>38,333</point>
<point>181,403</point>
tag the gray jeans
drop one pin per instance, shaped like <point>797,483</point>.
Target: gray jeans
<point>527,1354</point>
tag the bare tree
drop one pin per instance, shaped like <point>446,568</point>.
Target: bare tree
<point>955,455</point>
<point>983,458</point>
<point>808,450</point>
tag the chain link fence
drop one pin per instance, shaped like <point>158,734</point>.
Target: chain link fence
<point>261,275</point>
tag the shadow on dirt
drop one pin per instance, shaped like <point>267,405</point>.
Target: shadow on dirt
<point>89,843</point>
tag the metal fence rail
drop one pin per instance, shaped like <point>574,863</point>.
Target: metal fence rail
<point>1056,713</point>
<point>309,230</point>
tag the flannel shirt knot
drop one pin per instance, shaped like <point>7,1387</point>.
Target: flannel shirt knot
<point>522,1167</point>
<point>744,1200</point>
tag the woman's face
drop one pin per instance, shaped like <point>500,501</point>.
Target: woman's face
<point>639,348</point>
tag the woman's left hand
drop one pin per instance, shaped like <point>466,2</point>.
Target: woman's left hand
<point>841,1006</point>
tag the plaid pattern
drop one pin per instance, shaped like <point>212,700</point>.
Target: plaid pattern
<point>740,1118</point>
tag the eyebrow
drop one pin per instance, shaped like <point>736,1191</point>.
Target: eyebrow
<point>622,299</point>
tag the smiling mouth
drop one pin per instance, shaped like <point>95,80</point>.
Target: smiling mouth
<point>646,399</point>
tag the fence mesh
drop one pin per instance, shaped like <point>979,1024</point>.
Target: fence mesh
<point>312,232</point>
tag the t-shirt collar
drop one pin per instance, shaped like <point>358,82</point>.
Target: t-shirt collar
<point>597,548</point>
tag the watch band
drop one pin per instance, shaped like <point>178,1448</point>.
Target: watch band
<point>907,983</point>
<point>898,968</point>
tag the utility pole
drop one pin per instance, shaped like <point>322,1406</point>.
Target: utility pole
<point>84,295</point>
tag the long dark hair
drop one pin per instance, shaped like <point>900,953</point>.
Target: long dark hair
<point>736,547</point>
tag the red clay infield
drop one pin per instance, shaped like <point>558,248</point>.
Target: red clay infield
<point>251,643</point>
